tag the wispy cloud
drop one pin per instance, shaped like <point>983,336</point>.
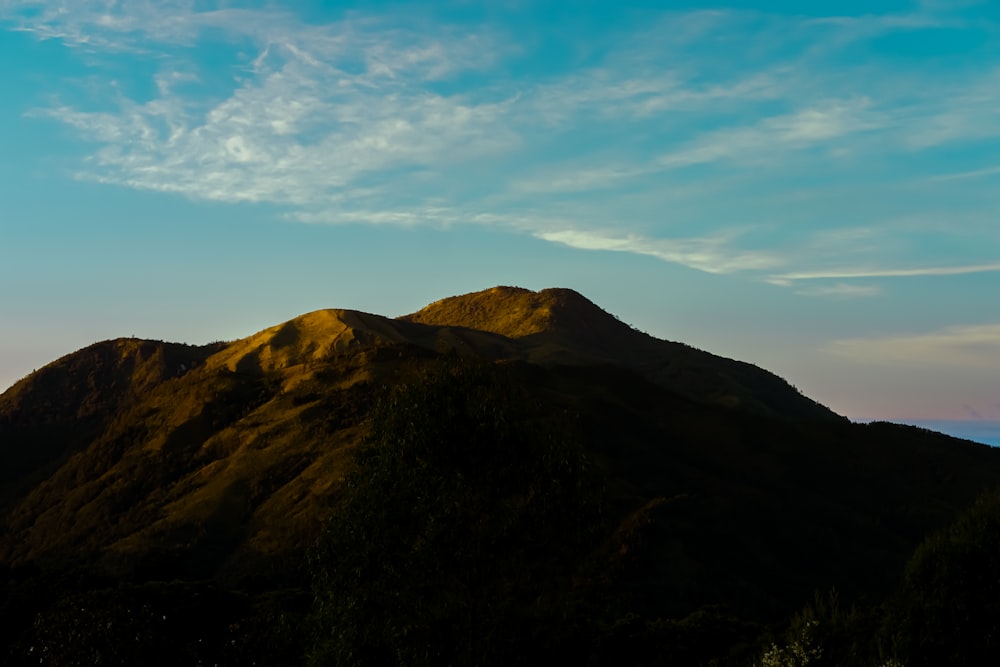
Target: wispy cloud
<point>841,290</point>
<point>771,137</point>
<point>713,254</point>
<point>130,25</point>
<point>315,111</point>
<point>963,175</point>
<point>403,119</point>
<point>970,347</point>
<point>789,278</point>
<point>570,179</point>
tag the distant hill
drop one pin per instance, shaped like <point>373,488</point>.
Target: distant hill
<point>724,487</point>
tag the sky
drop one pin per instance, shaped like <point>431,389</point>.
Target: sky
<point>810,187</point>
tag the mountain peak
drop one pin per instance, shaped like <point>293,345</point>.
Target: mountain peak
<point>561,326</point>
<point>516,312</point>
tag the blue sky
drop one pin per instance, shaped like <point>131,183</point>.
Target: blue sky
<point>812,187</point>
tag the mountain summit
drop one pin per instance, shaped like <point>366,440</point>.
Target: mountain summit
<point>561,326</point>
<point>516,312</point>
<point>710,481</point>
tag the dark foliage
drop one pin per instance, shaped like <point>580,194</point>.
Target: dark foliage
<point>593,497</point>
<point>461,532</point>
<point>948,609</point>
<point>945,611</point>
<point>158,623</point>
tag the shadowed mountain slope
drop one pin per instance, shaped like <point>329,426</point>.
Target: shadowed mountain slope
<point>139,453</point>
<point>560,326</point>
<point>516,312</point>
<point>149,461</point>
<point>326,334</point>
<point>63,406</point>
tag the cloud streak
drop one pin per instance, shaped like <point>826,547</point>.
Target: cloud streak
<point>972,347</point>
<point>841,290</point>
<point>307,119</point>
<point>714,254</point>
<point>404,119</point>
<point>789,278</point>
<point>769,139</point>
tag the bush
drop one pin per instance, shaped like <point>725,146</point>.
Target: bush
<point>948,611</point>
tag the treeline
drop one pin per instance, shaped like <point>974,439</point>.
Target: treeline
<point>475,530</point>
<point>480,526</point>
<point>946,610</point>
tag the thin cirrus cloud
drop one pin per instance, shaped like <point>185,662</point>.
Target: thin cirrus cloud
<point>789,278</point>
<point>975,173</point>
<point>402,119</point>
<point>974,347</point>
<point>841,290</point>
<point>314,119</point>
<point>710,254</point>
<point>771,137</point>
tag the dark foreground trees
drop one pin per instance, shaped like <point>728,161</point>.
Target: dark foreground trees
<point>463,534</point>
<point>945,611</point>
<point>511,514</point>
<point>948,609</point>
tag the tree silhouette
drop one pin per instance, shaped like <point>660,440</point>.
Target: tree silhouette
<point>460,487</point>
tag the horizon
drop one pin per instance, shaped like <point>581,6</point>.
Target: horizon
<point>808,189</point>
<point>985,432</point>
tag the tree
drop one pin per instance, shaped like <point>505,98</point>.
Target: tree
<point>458,535</point>
<point>948,610</point>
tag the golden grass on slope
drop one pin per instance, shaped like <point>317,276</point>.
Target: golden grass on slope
<point>509,311</point>
<point>210,459</point>
<point>558,323</point>
<point>316,336</point>
<point>253,436</point>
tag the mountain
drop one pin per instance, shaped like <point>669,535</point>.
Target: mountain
<point>136,463</point>
<point>59,409</point>
<point>560,326</point>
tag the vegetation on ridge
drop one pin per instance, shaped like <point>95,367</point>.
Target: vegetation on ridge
<point>461,532</point>
<point>548,495</point>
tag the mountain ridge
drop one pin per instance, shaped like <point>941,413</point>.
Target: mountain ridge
<point>143,461</point>
<point>550,327</point>
<point>561,326</point>
<point>217,420</point>
<point>516,312</point>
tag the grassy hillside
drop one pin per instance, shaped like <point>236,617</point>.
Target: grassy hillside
<point>551,484</point>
